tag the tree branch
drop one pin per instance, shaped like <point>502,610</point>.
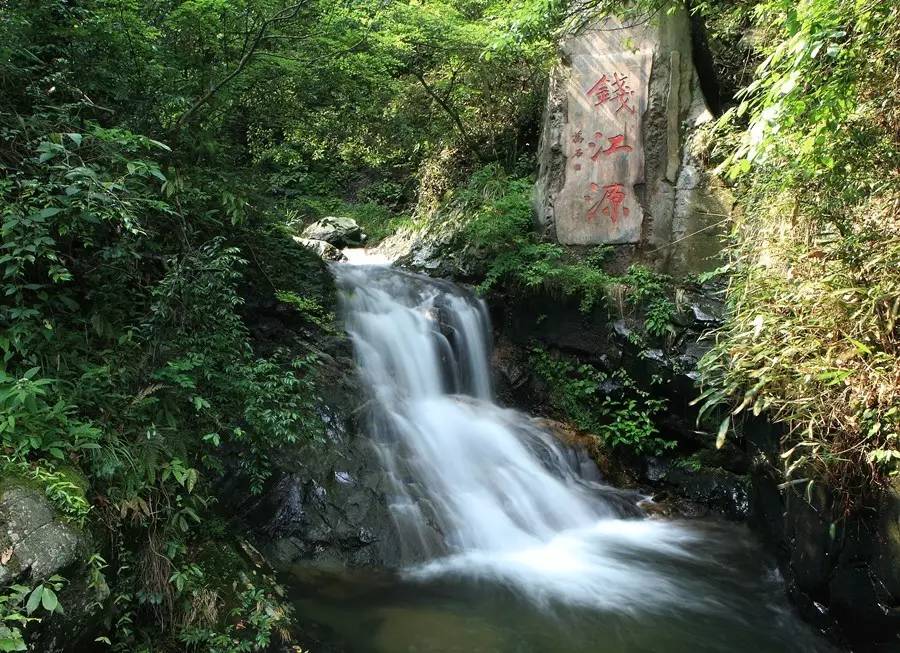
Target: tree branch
<point>450,111</point>
<point>285,14</point>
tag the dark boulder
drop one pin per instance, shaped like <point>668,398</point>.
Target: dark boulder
<point>327,500</point>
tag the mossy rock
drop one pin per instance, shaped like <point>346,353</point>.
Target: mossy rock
<point>34,539</point>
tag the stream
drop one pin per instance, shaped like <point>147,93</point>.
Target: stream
<point>509,542</point>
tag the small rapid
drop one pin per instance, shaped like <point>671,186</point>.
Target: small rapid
<point>481,494</point>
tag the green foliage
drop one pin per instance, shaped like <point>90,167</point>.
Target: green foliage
<point>498,226</point>
<point>309,307</point>
<point>692,463</point>
<point>125,265</point>
<point>497,208</point>
<point>259,611</point>
<point>32,425</point>
<point>645,285</point>
<point>814,290</point>
<point>60,485</point>
<point>609,406</point>
<point>44,596</point>
<point>276,397</point>
<point>496,212</point>
<point>17,605</point>
<point>658,320</point>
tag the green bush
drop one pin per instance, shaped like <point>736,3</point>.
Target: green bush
<point>622,415</point>
<point>814,291</point>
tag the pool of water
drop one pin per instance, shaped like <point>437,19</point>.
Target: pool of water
<point>722,595</point>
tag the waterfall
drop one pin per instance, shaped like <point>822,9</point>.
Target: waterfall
<point>478,490</point>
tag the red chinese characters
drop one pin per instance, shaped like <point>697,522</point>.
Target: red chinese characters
<point>600,91</point>
<point>609,151</point>
<point>616,144</point>
<point>609,204</point>
<point>620,92</point>
<point>623,93</point>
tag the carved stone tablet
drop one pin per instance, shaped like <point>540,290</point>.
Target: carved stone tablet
<point>604,153</point>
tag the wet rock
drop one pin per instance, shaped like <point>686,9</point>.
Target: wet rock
<point>338,231</point>
<point>886,562</point>
<point>511,368</point>
<point>653,508</point>
<point>711,487</point>
<point>578,447</point>
<point>656,469</point>
<point>436,250</point>
<point>842,572</point>
<point>703,318</point>
<point>587,454</point>
<point>664,367</point>
<point>665,505</point>
<point>325,250</point>
<point>700,309</point>
<point>327,501</point>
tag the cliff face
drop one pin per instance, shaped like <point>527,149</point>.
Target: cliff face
<point>843,573</point>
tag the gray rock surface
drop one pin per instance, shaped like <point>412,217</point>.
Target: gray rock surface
<point>841,571</point>
<point>327,500</point>
<point>606,341</point>
<point>434,250</point>
<point>37,543</point>
<point>323,249</point>
<point>34,542</point>
<point>712,488</point>
<point>682,204</point>
<point>338,231</point>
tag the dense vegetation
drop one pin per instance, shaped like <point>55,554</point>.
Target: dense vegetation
<point>156,158</point>
<point>814,149</point>
<point>811,148</point>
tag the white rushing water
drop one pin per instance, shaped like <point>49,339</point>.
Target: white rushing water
<point>481,491</point>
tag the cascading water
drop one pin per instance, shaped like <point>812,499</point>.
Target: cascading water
<point>481,494</point>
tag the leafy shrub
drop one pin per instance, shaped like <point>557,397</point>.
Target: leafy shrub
<point>658,320</point>
<point>497,214</point>
<point>645,285</point>
<point>811,337</point>
<point>258,611</point>
<point>17,605</point>
<point>32,425</point>
<point>128,356</point>
<point>609,406</point>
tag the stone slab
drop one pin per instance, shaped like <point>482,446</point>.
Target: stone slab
<point>603,148</point>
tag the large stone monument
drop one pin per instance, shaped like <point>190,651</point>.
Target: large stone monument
<point>617,160</point>
<point>606,94</point>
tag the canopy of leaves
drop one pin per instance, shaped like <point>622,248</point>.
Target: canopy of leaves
<point>154,156</point>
